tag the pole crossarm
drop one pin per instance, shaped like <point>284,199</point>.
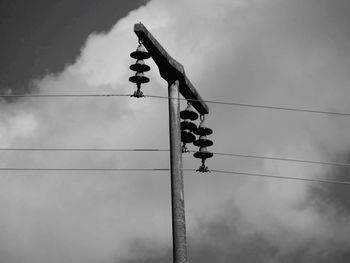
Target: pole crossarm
<point>170,69</point>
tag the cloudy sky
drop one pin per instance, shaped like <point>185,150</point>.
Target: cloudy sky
<point>268,52</point>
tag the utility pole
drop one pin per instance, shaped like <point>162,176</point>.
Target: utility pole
<point>173,72</point>
<point>177,187</point>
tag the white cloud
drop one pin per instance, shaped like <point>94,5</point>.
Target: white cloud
<point>16,126</point>
<point>245,51</point>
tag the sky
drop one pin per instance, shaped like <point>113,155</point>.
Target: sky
<point>267,52</point>
<point>42,37</point>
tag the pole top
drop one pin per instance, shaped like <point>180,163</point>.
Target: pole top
<point>170,69</point>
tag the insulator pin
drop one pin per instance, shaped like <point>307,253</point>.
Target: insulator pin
<point>203,129</point>
<point>139,78</point>
<point>140,67</point>
<point>140,53</point>
<point>203,143</point>
<point>187,127</point>
<point>189,114</point>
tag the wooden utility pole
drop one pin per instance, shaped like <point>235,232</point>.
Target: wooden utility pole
<point>177,187</point>
<point>173,72</point>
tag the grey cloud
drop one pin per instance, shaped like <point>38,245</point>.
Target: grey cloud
<point>336,195</point>
<point>222,241</point>
<point>42,37</point>
<point>265,52</point>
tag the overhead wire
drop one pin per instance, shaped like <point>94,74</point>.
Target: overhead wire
<point>83,169</point>
<point>257,106</point>
<point>61,95</point>
<point>86,149</point>
<point>283,159</point>
<point>165,97</point>
<point>167,150</point>
<point>282,177</point>
<point>167,169</point>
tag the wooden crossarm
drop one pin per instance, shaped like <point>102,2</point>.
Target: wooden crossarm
<point>170,69</point>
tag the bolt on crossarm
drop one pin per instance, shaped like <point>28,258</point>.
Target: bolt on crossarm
<point>173,72</point>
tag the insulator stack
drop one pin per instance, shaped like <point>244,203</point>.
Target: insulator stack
<point>187,126</point>
<point>139,67</point>
<point>203,142</point>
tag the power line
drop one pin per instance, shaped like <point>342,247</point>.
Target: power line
<point>167,169</point>
<point>84,169</point>
<point>166,150</point>
<point>282,159</point>
<point>260,106</point>
<point>85,149</point>
<point>165,97</point>
<point>62,95</point>
<point>283,177</point>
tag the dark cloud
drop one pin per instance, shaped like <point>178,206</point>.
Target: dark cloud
<point>336,195</point>
<point>291,53</point>
<point>41,37</point>
<point>221,241</point>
